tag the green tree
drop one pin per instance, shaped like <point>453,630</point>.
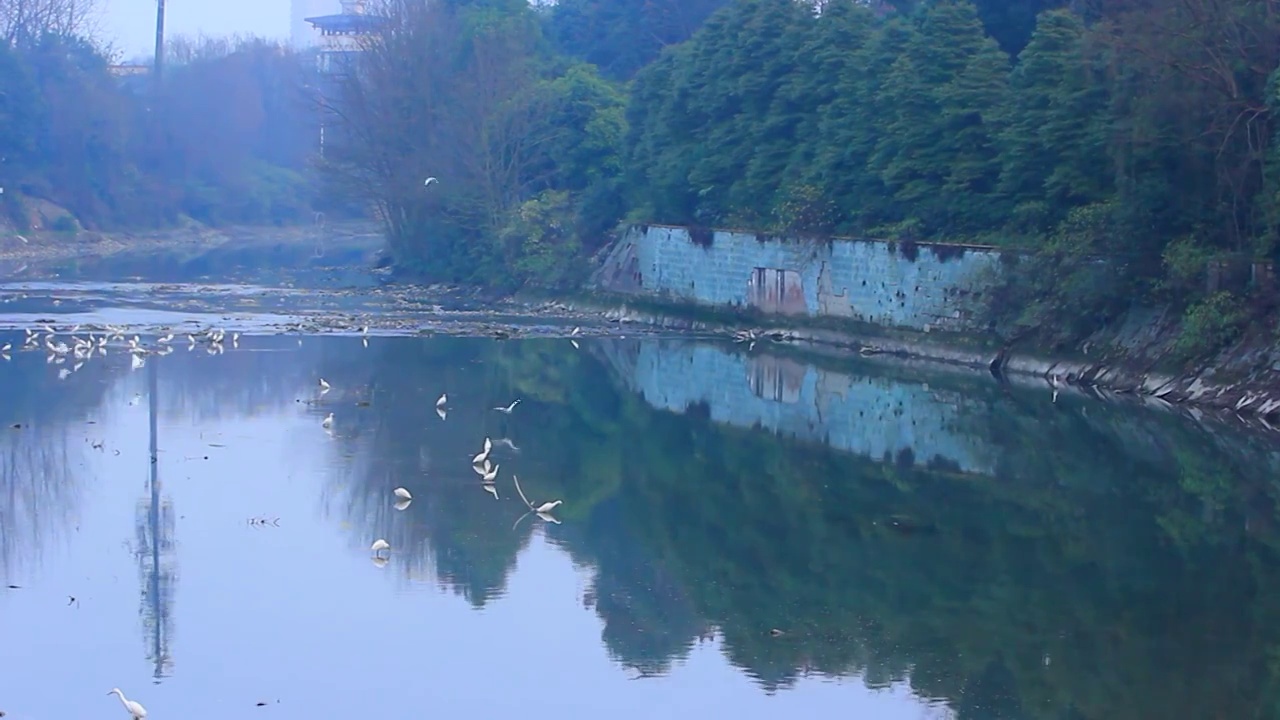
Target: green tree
<point>944,98</point>
<point>1054,144</point>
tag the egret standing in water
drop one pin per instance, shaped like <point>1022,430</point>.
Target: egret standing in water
<point>133,706</point>
<point>402,493</point>
<point>379,545</point>
<point>484,455</point>
<point>327,422</point>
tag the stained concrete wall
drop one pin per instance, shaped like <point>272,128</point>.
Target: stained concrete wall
<point>878,418</point>
<point>918,286</point>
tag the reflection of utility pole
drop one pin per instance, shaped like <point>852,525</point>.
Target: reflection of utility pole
<point>155,539</point>
<point>153,517</point>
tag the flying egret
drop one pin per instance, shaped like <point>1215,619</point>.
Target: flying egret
<point>133,706</point>
<point>508,408</point>
<point>327,422</point>
<point>402,494</point>
<point>379,545</point>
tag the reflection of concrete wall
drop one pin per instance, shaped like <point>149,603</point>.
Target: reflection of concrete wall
<point>873,417</point>
<point>910,285</point>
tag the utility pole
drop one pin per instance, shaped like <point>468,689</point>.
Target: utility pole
<point>159,67</point>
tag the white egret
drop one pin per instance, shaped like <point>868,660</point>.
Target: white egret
<point>403,494</point>
<point>324,386</point>
<point>235,340</point>
<point>491,474</point>
<point>379,545</point>
<point>166,338</point>
<point>508,408</point>
<point>478,459</point>
<point>7,347</point>
<point>543,511</point>
<point>133,706</point>
<point>575,332</point>
<point>428,181</point>
<point>327,422</point>
<point>444,398</point>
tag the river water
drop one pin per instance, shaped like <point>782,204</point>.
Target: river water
<point>742,534</point>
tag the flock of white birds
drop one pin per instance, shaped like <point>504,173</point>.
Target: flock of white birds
<point>481,464</point>
<point>84,343</point>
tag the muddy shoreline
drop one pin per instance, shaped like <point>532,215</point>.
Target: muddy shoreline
<point>41,247</point>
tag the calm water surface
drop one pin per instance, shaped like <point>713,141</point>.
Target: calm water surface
<point>929,546</point>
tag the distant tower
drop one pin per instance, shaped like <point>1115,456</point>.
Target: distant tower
<point>301,33</point>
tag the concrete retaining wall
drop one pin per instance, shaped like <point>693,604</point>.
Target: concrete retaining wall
<point>917,286</point>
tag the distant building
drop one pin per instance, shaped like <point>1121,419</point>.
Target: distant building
<point>302,34</point>
<point>339,45</point>
<point>339,35</point>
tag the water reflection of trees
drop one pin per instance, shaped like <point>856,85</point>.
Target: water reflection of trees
<point>1116,564</point>
<point>39,444</point>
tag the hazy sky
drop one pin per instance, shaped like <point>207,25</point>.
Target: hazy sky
<point>131,24</point>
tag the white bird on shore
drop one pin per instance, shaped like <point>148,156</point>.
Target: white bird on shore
<point>379,545</point>
<point>508,408</point>
<point>327,422</point>
<point>134,707</point>
<point>402,493</point>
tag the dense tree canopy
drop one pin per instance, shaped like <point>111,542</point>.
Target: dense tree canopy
<point>1140,129</point>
